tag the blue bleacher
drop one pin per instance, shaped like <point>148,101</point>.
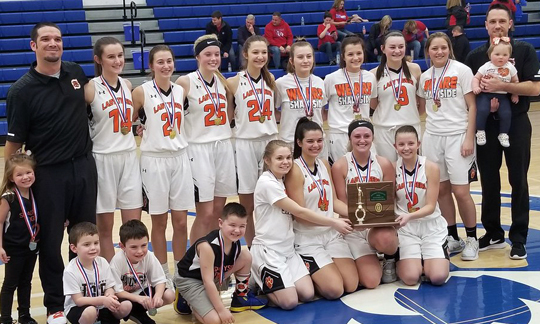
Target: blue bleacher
<point>35,17</point>
<point>39,5</point>
<point>18,44</point>
<point>24,30</point>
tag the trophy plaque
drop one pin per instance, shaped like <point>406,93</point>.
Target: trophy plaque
<point>371,204</point>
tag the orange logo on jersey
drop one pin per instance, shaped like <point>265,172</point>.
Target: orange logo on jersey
<point>307,265</point>
<point>207,97</point>
<point>419,185</point>
<point>447,83</point>
<point>389,83</point>
<point>111,102</point>
<point>503,71</point>
<point>314,185</point>
<point>269,282</point>
<point>343,90</point>
<point>371,179</point>
<point>295,94</point>
<point>250,93</point>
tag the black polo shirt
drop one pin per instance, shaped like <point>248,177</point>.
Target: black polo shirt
<point>49,114</point>
<point>526,63</point>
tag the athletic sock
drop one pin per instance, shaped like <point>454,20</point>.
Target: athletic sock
<point>471,231</point>
<point>452,231</point>
<point>242,281</point>
<point>165,267</point>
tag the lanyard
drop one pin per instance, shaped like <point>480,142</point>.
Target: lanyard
<point>358,171</point>
<point>136,277</point>
<point>87,281</point>
<point>436,83</point>
<point>170,109</point>
<point>320,186</point>
<point>261,97</point>
<point>308,102</point>
<point>31,227</point>
<point>356,98</point>
<point>215,102</point>
<point>395,90</point>
<point>122,109</point>
<point>410,194</point>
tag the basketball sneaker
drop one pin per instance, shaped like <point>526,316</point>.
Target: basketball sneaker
<point>455,246</point>
<point>470,252</point>
<point>503,139</point>
<point>26,319</point>
<point>141,318</point>
<point>487,242</point>
<point>481,137</point>
<point>389,271</point>
<point>518,251</point>
<point>247,302</point>
<point>181,306</point>
<point>57,318</point>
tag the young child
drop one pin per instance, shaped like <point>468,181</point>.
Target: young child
<point>19,236</point>
<point>210,261</point>
<point>499,53</point>
<point>89,282</point>
<point>141,275</point>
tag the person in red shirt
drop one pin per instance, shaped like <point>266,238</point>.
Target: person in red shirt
<point>327,38</point>
<point>415,33</point>
<point>340,19</point>
<point>279,35</point>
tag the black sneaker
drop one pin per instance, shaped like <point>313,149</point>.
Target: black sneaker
<point>27,319</point>
<point>518,251</point>
<point>486,242</point>
<point>141,318</point>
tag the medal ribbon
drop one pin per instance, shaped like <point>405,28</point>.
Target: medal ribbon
<point>436,83</point>
<point>134,273</point>
<point>85,277</point>
<point>400,82</point>
<point>215,102</point>
<point>308,103</point>
<point>410,194</point>
<point>320,186</point>
<point>222,268</point>
<point>170,110</point>
<point>356,98</point>
<point>259,101</point>
<point>31,229</point>
<point>358,171</point>
<point>122,109</point>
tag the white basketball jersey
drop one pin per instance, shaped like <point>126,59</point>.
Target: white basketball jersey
<point>156,135</point>
<point>107,122</point>
<point>386,114</point>
<point>203,123</point>
<point>355,172</point>
<point>451,118</point>
<point>247,115</point>
<point>313,198</point>
<point>341,98</point>
<point>419,196</point>
<point>289,98</point>
<point>273,225</point>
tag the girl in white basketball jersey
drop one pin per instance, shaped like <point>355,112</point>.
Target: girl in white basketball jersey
<point>114,147</point>
<point>209,135</point>
<point>361,165</point>
<point>299,92</point>
<point>252,98</point>
<point>445,93</point>
<point>276,266</point>
<point>310,185</point>
<point>395,104</point>
<point>422,235</point>
<point>165,169</point>
<point>349,91</point>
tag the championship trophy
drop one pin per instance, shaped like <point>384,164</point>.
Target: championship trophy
<point>371,204</point>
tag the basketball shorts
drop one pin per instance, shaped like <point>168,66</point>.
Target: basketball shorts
<point>249,162</point>
<point>358,244</point>
<point>423,239</point>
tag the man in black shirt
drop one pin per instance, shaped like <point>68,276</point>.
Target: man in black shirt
<point>249,29</point>
<point>224,33</point>
<point>460,43</point>
<point>518,155</point>
<point>46,111</point>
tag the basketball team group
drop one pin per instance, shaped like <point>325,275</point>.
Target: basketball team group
<point>71,161</point>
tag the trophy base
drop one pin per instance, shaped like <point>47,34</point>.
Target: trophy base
<point>385,224</point>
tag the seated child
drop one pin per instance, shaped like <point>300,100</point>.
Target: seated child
<point>207,265</point>
<point>141,276</point>
<point>89,282</point>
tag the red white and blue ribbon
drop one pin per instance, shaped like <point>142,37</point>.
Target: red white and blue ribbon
<point>87,281</point>
<point>308,102</point>
<point>261,97</point>
<point>318,183</point>
<point>31,227</point>
<point>436,83</point>
<point>400,82</point>
<point>136,277</point>
<point>410,193</point>
<point>356,98</point>
<point>222,267</point>
<point>215,101</point>
<point>358,171</point>
<point>169,109</point>
<point>122,109</point>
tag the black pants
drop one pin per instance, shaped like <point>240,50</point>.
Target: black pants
<point>18,275</point>
<point>64,191</point>
<point>517,157</point>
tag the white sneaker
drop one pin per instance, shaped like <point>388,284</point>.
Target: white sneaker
<point>455,246</point>
<point>503,139</point>
<point>481,137</point>
<point>57,318</point>
<point>470,252</point>
<point>389,271</point>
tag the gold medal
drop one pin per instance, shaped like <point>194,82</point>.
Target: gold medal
<point>412,209</point>
<point>435,108</point>
<point>323,207</point>
<point>217,121</point>
<point>357,116</point>
<point>124,130</point>
<point>397,107</point>
<point>172,134</point>
<point>261,119</point>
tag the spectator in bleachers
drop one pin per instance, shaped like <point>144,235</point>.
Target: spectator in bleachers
<point>460,43</point>
<point>279,35</point>
<point>456,15</point>
<point>327,38</point>
<point>415,33</point>
<point>224,33</point>
<point>244,32</point>
<point>340,19</point>
<point>376,36</point>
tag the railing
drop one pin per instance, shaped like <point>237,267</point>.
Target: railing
<point>143,43</point>
<point>133,14</point>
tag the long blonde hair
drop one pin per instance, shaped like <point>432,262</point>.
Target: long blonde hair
<point>17,159</point>
<point>439,35</point>
<point>218,73</point>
